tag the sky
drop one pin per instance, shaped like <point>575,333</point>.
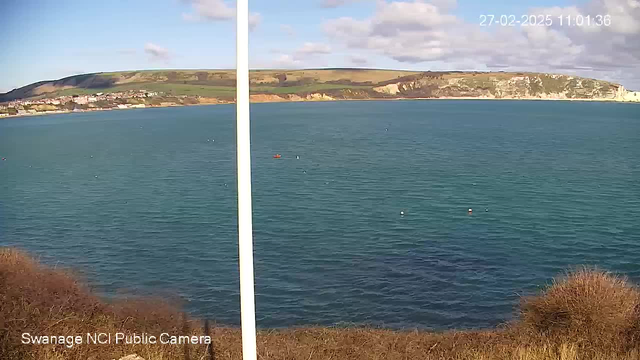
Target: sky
<point>47,39</point>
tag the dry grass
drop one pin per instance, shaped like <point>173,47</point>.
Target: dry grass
<point>590,308</point>
<point>586,314</point>
<point>41,301</point>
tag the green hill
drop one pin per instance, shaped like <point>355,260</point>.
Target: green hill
<point>328,84</point>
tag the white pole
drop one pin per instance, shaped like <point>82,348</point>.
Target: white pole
<point>245,226</point>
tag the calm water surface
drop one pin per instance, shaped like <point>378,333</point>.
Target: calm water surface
<point>145,201</point>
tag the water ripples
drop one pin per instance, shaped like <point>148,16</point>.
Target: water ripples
<point>141,201</point>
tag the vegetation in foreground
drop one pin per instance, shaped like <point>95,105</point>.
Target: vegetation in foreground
<point>587,314</point>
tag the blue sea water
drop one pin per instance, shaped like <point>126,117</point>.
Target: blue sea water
<point>145,201</point>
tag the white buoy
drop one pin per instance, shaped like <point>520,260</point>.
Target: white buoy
<point>297,157</point>
<point>470,210</point>
<point>402,213</point>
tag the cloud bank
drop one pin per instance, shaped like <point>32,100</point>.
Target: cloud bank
<point>420,32</point>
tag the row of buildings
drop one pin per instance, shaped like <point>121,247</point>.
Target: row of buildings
<point>48,103</point>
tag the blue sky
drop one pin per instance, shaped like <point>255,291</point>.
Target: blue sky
<point>45,39</point>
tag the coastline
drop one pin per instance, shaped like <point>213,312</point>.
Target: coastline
<point>58,112</point>
<point>268,98</point>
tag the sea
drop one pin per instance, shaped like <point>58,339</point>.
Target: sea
<point>144,202</point>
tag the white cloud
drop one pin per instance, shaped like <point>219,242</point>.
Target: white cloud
<point>309,55</point>
<point>254,20</point>
<point>448,4</point>
<point>156,52</point>
<point>287,61</point>
<point>445,4</point>
<point>311,49</point>
<point>217,10</point>
<point>421,32</point>
<point>409,16</point>
<point>214,10</point>
<point>288,29</point>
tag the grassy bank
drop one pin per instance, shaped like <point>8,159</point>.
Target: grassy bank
<point>583,315</point>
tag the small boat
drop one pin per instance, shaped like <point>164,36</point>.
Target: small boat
<point>277,156</point>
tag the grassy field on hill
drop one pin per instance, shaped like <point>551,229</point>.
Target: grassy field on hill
<point>169,89</point>
<point>207,83</point>
<point>205,90</point>
<point>336,83</point>
<point>585,315</point>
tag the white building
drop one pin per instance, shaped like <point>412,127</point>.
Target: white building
<point>81,100</point>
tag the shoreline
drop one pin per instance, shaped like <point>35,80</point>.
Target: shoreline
<point>302,100</point>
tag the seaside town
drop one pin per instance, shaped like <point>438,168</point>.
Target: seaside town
<point>92,102</point>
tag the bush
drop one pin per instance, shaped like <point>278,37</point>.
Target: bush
<point>41,301</point>
<point>587,307</point>
<point>585,315</point>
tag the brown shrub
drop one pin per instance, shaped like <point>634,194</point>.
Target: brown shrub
<point>587,307</point>
<point>633,334</point>
<point>38,300</point>
<point>586,315</point>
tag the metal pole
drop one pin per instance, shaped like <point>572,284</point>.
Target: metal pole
<point>245,226</point>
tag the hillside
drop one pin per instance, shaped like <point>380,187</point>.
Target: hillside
<point>330,84</point>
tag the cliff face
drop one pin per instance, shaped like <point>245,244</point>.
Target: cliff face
<point>504,86</point>
<point>630,96</point>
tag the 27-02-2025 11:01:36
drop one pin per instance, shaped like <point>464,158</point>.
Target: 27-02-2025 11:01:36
<point>545,20</point>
